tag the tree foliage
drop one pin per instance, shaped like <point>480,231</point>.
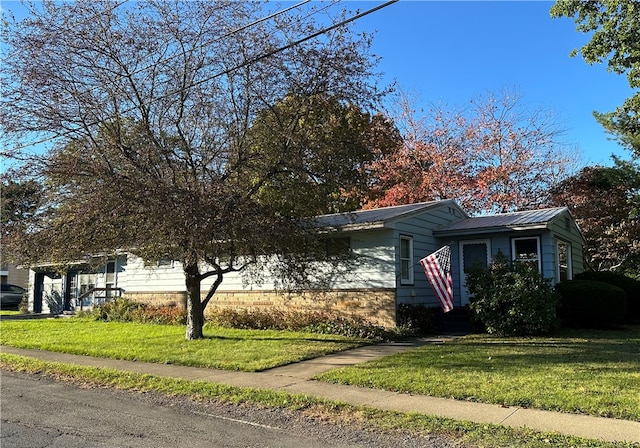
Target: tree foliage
<point>19,204</point>
<point>497,156</point>
<point>300,136</point>
<point>614,28</point>
<point>162,114</point>
<point>606,204</point>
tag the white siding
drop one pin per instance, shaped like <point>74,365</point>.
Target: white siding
<point>374,267</point>
<point>137,277</point>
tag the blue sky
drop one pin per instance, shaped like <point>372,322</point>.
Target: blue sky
<point>454,51</point>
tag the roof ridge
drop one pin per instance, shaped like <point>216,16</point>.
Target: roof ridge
<point>388,207</point>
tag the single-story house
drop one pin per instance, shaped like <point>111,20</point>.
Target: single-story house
<point>389,243</point>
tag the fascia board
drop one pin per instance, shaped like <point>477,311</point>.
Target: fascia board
<point>482,231</point>
<point>354,227</point>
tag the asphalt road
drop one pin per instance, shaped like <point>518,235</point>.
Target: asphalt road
<point>39,412</point>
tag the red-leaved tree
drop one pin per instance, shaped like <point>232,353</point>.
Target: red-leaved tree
<point>497,156</point>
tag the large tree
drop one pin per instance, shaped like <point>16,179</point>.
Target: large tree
<point>496,156</point>
<point>606,204</point>
<point>614,29</point>
<point>316,125</point>
<point>160,112</point>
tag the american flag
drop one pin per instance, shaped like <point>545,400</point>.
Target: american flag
<point>437,268</point>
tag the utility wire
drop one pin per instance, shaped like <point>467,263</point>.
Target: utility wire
<point>217,75</point>
<point>140,70</point>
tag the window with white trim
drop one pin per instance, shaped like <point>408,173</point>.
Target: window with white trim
<point>526,249</point>
<point>563,261</point>
<point>406,260</point>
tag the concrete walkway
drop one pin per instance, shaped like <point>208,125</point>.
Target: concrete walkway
<point>296,378</point>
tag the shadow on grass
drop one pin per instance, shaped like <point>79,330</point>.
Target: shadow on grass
<point>595,350</point>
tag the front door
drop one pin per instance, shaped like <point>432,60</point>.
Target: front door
<point>472,253</point>
<point>38,287</point>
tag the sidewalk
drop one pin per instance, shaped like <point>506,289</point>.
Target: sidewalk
<point>295,378</point>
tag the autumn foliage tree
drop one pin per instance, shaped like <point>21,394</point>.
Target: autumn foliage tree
<point>606,200</point>
<point>160,113</point>
<point>606,204</point>
<point>430,163</point>
<point>497,156</point>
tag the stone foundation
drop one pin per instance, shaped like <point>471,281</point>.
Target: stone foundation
<point>163,298</point>
<point>375,305</point>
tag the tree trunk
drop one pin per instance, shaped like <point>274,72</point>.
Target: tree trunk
<point>195,311</point>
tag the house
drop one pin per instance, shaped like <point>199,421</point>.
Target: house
<point>12,274</point>
<point>388,242</point>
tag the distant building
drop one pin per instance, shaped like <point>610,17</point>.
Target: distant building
<point>14,275</point>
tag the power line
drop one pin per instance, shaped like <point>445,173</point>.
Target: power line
<point>165,60</point>
<point>142,69</point>
<point>224,72</point>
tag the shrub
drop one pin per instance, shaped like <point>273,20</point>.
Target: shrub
<point>585,303</point>
<point>629,285</point>
<point>256,319</point>
<point>512,299</point>
<point>23,308</point>
<point>323,322</point>
<point>165,315</point>
<point>122,309</point>
<point>118,309</point>
<point>416,317</point>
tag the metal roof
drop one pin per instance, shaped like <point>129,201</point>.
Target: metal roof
<point>376,217</point>
<point>506,221</point>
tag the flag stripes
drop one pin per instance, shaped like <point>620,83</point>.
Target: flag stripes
<point>437,268</point>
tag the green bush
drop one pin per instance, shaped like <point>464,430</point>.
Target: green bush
<point>122,309</point>
<point>589,304</point>
<point>23,308</point>
<point>118,309</point>
<point>512,299</point>
<point>629,285</point>
<point>416,317</point>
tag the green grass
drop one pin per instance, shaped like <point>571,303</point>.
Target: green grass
<point>486,435</point>
<point>9,312</point>
<point>248,350</point>
<point>590,372</point>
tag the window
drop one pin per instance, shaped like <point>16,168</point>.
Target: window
<point>406,260</point>
<point>564,261</point>
<point>165,262</point>
<point>526,250</point>
<point>86,282</point>
<point>110,270</point>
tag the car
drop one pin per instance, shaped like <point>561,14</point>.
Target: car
<point>11,295</point>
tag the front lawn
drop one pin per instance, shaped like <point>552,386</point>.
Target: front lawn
<point>591,372</point>
<point>222,348</point>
